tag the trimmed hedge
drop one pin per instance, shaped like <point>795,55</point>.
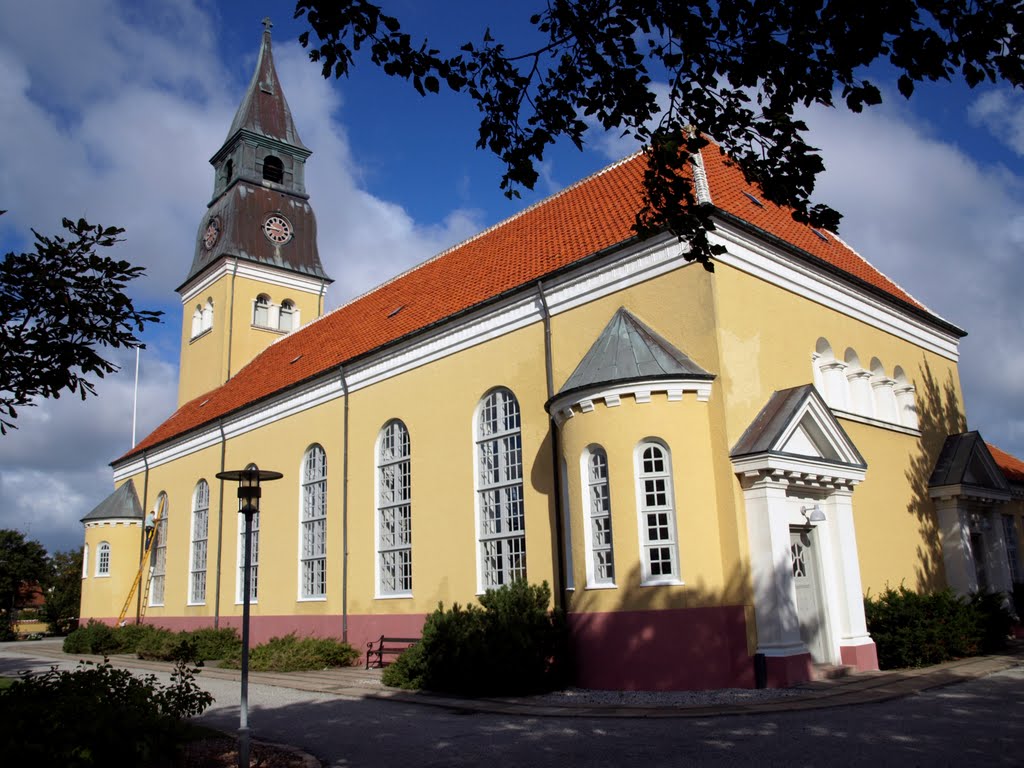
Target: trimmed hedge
<point>151,642</point>
<point>917,630</point>
<point>292,654</point>
<point>510,645</point>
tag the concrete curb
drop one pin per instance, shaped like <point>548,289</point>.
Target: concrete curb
<point>852,690</point>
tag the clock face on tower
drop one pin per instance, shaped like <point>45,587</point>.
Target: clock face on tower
<point>212,233</point>
<point>277,229</point>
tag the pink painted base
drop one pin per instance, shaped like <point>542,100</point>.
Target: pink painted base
<point>666,650</point>
<point>786,671</point>
<point>864,658</point>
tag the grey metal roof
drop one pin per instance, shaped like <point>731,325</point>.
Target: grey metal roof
<point>264,110</point>
<point>122,503</point>
<point>966,460</point>
<point>767,427</point>
<point>627,350</point>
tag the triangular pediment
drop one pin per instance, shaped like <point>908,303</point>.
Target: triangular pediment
<point>966,462</point>
<point>796,423</point>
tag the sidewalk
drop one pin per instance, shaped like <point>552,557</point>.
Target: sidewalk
<point>355,682</point>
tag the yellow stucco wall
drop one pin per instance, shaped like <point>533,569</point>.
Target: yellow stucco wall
<point>103,596</point>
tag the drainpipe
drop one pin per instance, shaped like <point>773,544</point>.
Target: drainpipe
<point>320,298</point>
<point>556,464</point>
<point>220,528</point>
<point>344,515</point>
<point>142,538</point>
<point>231,326</point>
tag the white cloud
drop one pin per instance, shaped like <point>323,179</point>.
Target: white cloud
<point>1002,113</point>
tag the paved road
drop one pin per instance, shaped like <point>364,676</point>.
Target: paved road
<point>975,723</point>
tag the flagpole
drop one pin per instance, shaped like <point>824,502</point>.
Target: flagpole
<point>135,398</point>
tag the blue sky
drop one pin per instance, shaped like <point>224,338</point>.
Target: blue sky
<point>112,110</point>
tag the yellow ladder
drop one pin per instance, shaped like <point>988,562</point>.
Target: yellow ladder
<point>144,568</point>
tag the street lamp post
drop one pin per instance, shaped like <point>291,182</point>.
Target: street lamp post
<point>249,493</point>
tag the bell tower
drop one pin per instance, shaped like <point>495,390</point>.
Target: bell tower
<point>256,273</point>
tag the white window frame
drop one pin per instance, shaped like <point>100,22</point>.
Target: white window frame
<point>259,305</point>
<point>207,314</point>
<point>197,321</point>
<point>597,518</point>
<point>254,561</point>
<point>656,483</point>
<point>158,579</point>
<point>286,310</point>
<point>103,568</point>
<point>200,544</point>
<point>313,525</point>
<point>393,491</point>
<point>499,485</point>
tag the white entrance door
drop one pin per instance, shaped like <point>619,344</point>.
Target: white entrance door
<point>808,593</point>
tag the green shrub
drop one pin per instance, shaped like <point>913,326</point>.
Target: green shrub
<point>96,715</point>
<point>915,630</point>
<point>217,643</point>
<point>94,637</point>
<point>292,654</point>
<point>510,645</point>
<point>163,645</point>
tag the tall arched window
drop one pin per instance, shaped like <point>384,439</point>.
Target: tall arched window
<point>273,169</point>
<point>200,536</point>
<point>287,316</point>
<point>229,171</point>
<point>502,522</point>
<point>103,559</point>
<point>598,510</point>
<point>394,511</point>
<point>659,552</point>
<point>261,311</point>
<point>156,585</point>
<point>254,555</point>
<point>313,523</point>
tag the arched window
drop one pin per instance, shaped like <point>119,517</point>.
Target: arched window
<point>103,559</point>
<point>197,321</point>
<point>200,535</point>
<point>906,400</point>
<point>157,581</point>
<point>659,552</point>
<point>597,506</point>
<point>261,311</point>
<point>502,522</point>
<point>254,555</point>
<point>85,561</point>
<point>394,511</point>
<point>287,316</point>
<point>273,169</point>
<point>313,523</point>
<point>229,171</point>
<point>208,315</point>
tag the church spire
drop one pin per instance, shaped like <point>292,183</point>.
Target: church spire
<point>264,110</point>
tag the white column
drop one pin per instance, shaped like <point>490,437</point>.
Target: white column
<point>778,627</point>
<point>885,399</point>
<point>835,383</point>
<point>906,405</point>
<point>861,399</point>
<point>853,629</point>
<point>956,547</point>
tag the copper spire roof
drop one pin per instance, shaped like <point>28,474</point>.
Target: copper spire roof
<point>589,217</point>
<point>264,110</point>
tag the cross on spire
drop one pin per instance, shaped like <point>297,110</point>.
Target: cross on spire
<point>267,23</point>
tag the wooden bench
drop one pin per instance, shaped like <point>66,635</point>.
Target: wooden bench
<point>375,649</point>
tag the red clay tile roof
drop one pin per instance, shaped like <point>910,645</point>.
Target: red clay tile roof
<point>1012,467</point>
<point>590,216</point>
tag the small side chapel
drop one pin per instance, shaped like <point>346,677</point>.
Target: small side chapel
<point>709,469</point>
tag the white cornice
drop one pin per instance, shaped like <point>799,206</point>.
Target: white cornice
<point>796,470</point>
<point>582,401</point>
<point>252,271</point>
<point>748,254</point>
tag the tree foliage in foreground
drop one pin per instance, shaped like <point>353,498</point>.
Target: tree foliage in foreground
<point>737,71</point>
<point>23,563</point>
<point>64,591</point>
<point>60,305</point>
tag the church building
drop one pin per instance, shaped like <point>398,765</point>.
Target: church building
<point>710,469</point>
